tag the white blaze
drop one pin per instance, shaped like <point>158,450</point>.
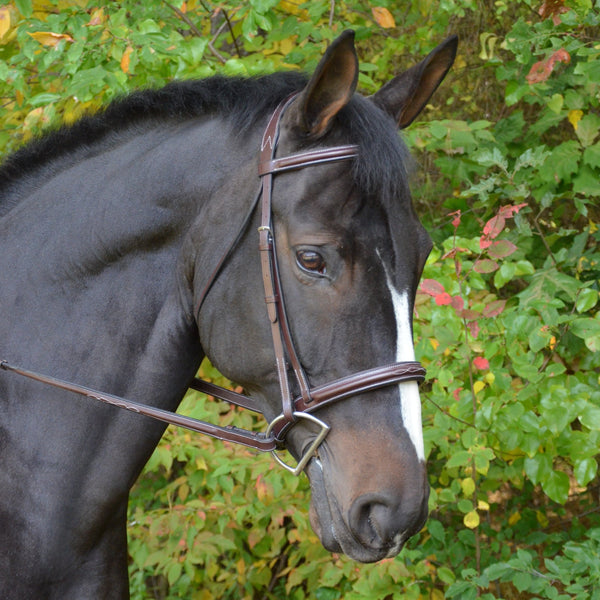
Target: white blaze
<point>410,401</point>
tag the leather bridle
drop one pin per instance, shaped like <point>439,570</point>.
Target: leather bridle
<point>293,409</point>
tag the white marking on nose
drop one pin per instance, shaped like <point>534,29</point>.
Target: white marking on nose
<point>410,401</point>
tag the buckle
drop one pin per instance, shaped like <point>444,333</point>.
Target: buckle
<point>310,450</point>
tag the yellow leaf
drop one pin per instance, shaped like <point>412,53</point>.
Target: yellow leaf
<point>483,505</point>
<point>434,343</point>
<point>478,386</point>
<point>292,7</point>
<point>287,45</point>
<point>126,59</point>
<point>514,519</point>
<point>97,17</point>
<point>468,486</point>
<point>47,38</point>
<point>4,21</point>
<point>383,17</point>
<point>471,519</point>
<point>574,117</point>
<point>240,565</point>
<point>183,492</point>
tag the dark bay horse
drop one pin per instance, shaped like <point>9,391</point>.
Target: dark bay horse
<point>129,251</point>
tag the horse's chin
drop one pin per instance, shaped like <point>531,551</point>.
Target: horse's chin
<point>328,523</point>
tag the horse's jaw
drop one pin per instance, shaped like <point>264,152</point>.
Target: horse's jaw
<point>363,531</point>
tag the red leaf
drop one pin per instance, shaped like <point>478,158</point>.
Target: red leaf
<point>484,243</point>
<point>539,72</point>
<point>457,303</point>
<point>493,309</point>
<point>456,393</point>
<point>443,299</point>
<point>560,55</point>
<point>470,315</point>
<point>501,249</point>
<point>485,265</point>
<point>553,8</point>
<point>432,287</point>
<point>456,221</point>
<point>494,226</point>
<point>511,209</point>
<point>452,253</point>
<point>542,69</point>
<point>473,329</point>
<point>481,363</point>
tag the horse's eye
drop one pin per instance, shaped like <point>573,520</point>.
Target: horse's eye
<point>311,261</point>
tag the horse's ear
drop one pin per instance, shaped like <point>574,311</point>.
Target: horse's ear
<point>330,88</point>
<point>405,96</point>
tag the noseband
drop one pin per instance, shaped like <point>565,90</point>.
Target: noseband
<point>309,399</point>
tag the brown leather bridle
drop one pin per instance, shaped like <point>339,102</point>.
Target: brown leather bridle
<point>309,398</point>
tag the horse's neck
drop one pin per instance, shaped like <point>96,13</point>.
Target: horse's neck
<point>103,256</point>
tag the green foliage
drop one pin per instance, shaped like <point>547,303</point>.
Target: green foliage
<point>507,325</point>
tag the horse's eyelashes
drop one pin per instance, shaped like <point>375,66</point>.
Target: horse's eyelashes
<point>311,261</point>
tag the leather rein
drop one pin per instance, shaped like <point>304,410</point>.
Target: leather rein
<point>310,398</point>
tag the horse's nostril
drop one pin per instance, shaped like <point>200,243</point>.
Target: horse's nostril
<point>375,520</point>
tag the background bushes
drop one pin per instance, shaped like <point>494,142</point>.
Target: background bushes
<point>508,184</point>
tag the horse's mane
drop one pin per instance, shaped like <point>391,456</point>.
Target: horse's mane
<point>243,101</point>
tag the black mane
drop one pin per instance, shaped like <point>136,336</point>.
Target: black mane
<point>379,170</point>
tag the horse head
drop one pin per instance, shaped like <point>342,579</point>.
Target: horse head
<point>350,252</point>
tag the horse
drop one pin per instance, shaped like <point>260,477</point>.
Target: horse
<point>265,223</point>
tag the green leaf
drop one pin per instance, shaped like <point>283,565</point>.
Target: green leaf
<point>538,467</point>
<point>459,459</point>
<point>587,129</point>
<point>505,273</point>
<point>446,575</point>
<point>43,99</point>
<point>586,470</point>
<point>492,158</point>
<point>25,7</point>
<point>562,162</point>
<point>587,183</point>
<point>498,570</point>
<point>555,103</point>
<point>539,339</point>
<point>586,300</point>
<point>585,327</point>
<point>590,416</point>
<point>148,26</point>
<point>590,70</point>
<point>521,581</point>
<point>591,156</point>
<point>593,343</point>
<point>174,572</point>
<point>436,530</point>
<point>556,486</point>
